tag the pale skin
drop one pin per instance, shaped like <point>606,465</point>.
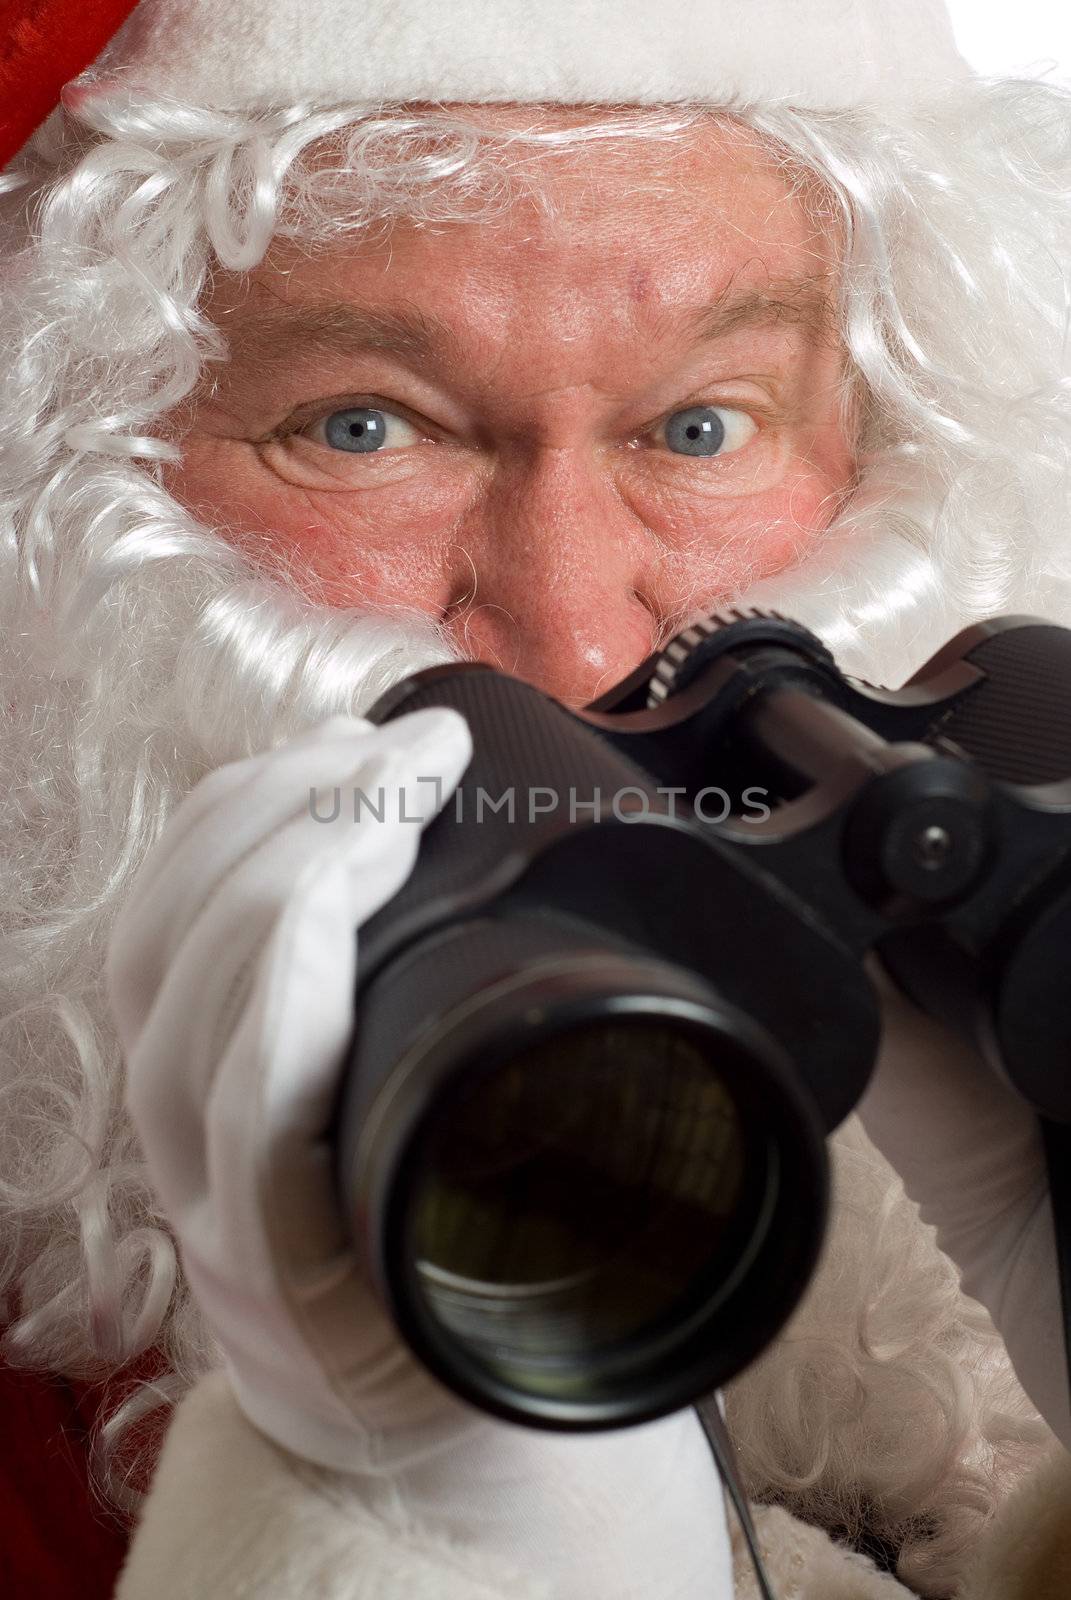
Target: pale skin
<point>588,425</point>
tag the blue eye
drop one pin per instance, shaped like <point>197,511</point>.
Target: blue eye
<point>707,430</point>
<point>699,431</point>
<point>356,430</point>
<point>362,429</point>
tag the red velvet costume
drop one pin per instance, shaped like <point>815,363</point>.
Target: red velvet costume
<point>55,1540</point>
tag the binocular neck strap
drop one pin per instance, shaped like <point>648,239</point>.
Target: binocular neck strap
<point>713,1424</point>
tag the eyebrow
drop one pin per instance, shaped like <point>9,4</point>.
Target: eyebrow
<point>807,303</point>
<point>271,334</point>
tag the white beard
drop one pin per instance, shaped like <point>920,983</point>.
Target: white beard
<point>184,666</point>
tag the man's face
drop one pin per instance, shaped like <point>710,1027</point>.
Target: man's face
<point>553,431</point>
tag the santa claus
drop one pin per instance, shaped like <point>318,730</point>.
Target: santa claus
<point>340,342</point>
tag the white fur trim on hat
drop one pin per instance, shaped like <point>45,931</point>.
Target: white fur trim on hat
<point>812,54</point>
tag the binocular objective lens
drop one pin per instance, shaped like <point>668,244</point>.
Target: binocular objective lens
<point>580,1199</point>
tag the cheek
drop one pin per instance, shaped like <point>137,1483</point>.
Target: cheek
<point>385,548</point>
<point>719,548</point>
<point>792,520</point>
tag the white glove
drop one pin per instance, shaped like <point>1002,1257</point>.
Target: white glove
<point>969,1152</point>
<point>231,975</point>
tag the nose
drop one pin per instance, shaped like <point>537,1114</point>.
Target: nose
<point>554,579</point>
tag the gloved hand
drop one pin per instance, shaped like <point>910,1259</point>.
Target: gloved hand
<point>231,975</point>
<point>969,1152</point>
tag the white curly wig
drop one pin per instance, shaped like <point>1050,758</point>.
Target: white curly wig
<point>139,650</point>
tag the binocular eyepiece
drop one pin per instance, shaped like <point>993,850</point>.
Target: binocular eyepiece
<point>603,1032</point>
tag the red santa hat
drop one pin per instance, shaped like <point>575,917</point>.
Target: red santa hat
<point>234,55</point>
<point>43,43</point>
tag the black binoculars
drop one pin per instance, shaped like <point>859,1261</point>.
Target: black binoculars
<point>602,1033</point>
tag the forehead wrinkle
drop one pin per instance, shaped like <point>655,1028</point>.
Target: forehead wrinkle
<point>269,336</point>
